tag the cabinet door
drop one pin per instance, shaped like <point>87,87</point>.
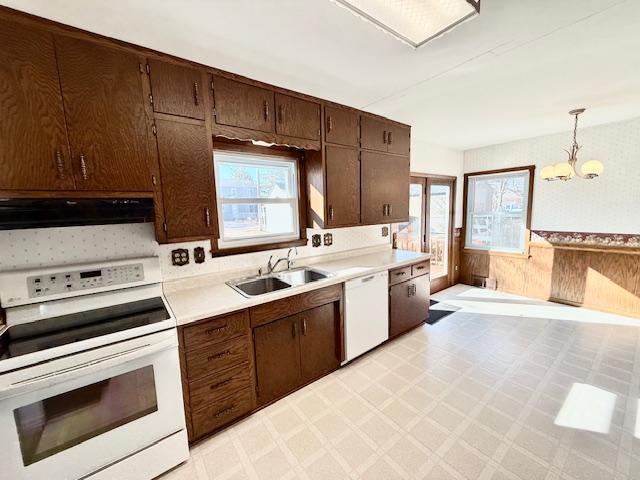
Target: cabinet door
<point>277,358</point>
<point>297,118</point>
<point>373,133</point>
<point>409,304</point>
<point>397,188</point>
<point>177,90</point>
<point>343,186</point>
<point>187,179</point>
<point>318,341</point>
<point>34,152</point>
<point>398,139</point>
<point>103,104</point>
<point>376,173</point>
<point>241,105</point>
<point>341,126</point>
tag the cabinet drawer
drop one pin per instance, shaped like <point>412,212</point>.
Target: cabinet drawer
<point>221,412</point>
<point>399,275</point>
<point>215,331</point>
<point>214,358</point>
<point>221,385</point>
<point>420,268</point>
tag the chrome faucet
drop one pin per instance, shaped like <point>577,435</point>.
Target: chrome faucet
<point>271,267</point>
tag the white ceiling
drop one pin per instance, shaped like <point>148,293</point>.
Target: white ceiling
<point>513,72</point>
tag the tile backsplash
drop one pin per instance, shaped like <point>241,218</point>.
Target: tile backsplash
<point>34,248</point>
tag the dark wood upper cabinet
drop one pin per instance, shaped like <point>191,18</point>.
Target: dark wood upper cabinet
<point>186,170</point>
<point>385,196</point>
<point>341,126</point>
<point>398,139</point>
<point>241,105</point>
<point>373,133</point>
<point>177,90</point>
<point>342,186</point>
<point>277,349</point>
<point>383,136</point>
<point>297,118</point>
<point>103,104</point>
<point>34,152</point>
<point>408,304</point>
<point>318,341</point>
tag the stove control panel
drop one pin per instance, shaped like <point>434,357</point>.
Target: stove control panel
<point>76,280</point>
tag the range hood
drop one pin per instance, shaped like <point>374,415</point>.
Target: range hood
<point>18,213</point>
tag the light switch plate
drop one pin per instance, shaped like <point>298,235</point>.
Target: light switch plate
<point>198,255</point>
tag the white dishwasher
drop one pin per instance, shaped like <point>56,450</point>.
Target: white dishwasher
<point>367,313</point>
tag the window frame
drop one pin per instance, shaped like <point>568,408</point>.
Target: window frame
<point>465,208</point>
<point>245,148</point>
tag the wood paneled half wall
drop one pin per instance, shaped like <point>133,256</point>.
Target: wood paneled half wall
<point>567,267</point>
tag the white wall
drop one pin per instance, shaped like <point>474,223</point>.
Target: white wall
<point>34,248</point>
<point>608,204</point>
<point>429,158</point>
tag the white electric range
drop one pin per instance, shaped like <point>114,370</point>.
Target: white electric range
<point>89,374</point>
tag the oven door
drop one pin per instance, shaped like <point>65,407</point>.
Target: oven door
<point>73,416</point>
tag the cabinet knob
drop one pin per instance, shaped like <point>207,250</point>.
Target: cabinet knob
<point>83,167</point>
<point>329,124</point>
<point>384,137</point>
<point>196,93</point>
<point>330,212</point>
<point>388,138</point>
<point>266,110</point>
<point>207,216</point>
<point>390,209</point>
<point>304,326</point>
<point>60,165</point>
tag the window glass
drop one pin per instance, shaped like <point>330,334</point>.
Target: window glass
<point>497,207</point>
<point>257,198</point>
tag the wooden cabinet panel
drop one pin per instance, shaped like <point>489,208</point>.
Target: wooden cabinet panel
<point>385,188</point>
<point>399,275</point>
<point>214,358</point>
<point>221,412</point>
<point>103,103</point>
<point>398,139</point>
<point>34,152</point>
<point>177,90</point>
<point>215,387</point>
<point>216,330</point>
<point>187,179</point>
<point>318,342</point>
<point>341,126</point>
<point>241,105</point>
<point>373,133</point>
<point>297,118</point>
<point>408,304</point>
<point>342,186</point>
<point>420,268</point>
<point>277,349</point>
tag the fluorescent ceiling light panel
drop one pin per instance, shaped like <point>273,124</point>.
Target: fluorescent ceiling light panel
<point>414,21</point>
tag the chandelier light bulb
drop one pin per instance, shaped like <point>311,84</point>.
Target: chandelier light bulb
<point>592,169</point>
<point>548,173</point>
<point>563,171</point>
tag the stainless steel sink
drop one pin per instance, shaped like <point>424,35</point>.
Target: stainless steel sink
<point>301,276</point>
<point>260,285</point>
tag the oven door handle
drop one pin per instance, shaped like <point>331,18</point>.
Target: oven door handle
<point>69,373</point>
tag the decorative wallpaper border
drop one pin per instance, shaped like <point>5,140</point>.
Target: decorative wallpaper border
<point>623,240</point>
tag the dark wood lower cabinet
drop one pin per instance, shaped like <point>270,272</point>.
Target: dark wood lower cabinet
<point>277,348</point>
<point>319,341</point>
<point>408,304</point>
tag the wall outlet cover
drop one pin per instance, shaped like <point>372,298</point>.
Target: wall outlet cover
<point>316,240</point>
<point>385,231</point>
<point>328,239</point>
<point>198,255</point>
<point>179,257</point>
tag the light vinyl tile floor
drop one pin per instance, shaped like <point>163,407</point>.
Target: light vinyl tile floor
<point>475,396</point>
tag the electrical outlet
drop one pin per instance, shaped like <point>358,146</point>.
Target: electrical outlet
<point>179,257</point>
<point>198,255</point>
<point>385,231</point>
<point>316,241</point>
<point>328,239</point>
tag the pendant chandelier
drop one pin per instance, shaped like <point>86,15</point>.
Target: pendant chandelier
<point>567,170</point>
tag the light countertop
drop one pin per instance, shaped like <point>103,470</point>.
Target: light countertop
<point>208,296</point>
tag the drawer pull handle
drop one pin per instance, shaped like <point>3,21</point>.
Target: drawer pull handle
<point>213,331</point>
<point>411,290</point>
<point>60,165</point>
<point>329,124</point>
<point>420,267</point>
<point>196,93</point>
<point>401,273</point>
<point>330,212</point>
<point>217,356</point>
<point>388,138</point>
<point>266,110</point>
<point>83,167</point>
<point>384,137</point>
<point>220,384</point>
<point>225,412</point>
